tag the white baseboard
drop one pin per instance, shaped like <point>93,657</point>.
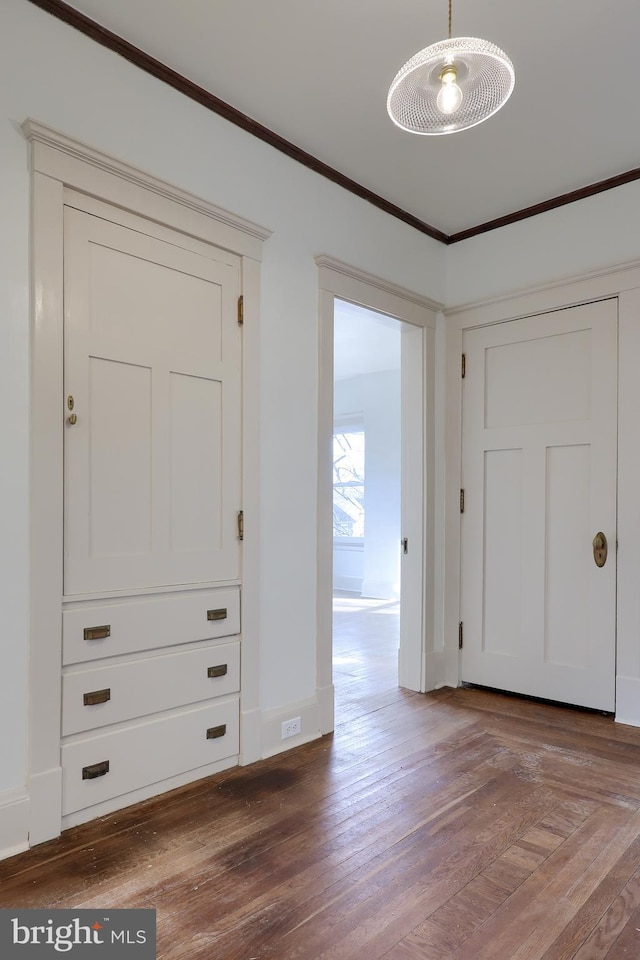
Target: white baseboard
<point>14,823</point>
<point>272,720</point>
<point>45,805</point>
<point>439,672</point>
<point>250,736</point>
<point>379,590</point>
<point>350,584</point>
<point>628,701</point>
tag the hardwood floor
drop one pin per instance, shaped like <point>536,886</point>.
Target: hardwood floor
<point>366,633</point>
<point>461,825</point>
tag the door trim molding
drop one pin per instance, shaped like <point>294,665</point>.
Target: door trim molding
<point>341,276</point>
<point>58,162</point>
<point>69,160</point>
<point>345,282</point>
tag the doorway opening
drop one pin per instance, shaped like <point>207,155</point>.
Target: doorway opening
<point>416,660</point>
<point>367,497</point>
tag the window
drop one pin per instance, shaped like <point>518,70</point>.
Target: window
<point>348,484</point>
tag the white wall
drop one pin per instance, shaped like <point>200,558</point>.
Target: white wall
<point>55,75</point>
<point>597,232</point>
<point>377,397</point>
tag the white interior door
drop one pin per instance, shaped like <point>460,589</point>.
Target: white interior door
<point>539,476</point>
<point>152,362</point>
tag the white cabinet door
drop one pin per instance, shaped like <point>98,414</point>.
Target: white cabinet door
<point>153,363</point>
<point>539,474</point>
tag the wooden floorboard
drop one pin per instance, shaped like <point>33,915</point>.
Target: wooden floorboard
<point>458,825</point>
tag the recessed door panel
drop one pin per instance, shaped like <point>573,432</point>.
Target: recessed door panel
<point>119,474</point>
<point>197,464</point>
<point>501,633</point>
<point>542,380</point>
<point>568,554</point>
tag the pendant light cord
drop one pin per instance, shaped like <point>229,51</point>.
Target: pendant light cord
<point>450,19</point>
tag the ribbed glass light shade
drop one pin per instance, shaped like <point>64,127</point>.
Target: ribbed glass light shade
<point>485,76</point>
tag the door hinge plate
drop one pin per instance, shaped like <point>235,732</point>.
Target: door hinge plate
<point>241,309</point>
<point>240,524</point>
<point>463,366</point>
<point>460,635</point>
<point>461,500</point>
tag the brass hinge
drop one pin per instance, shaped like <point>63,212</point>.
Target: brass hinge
<point>241,309</point>
<point>240,524</point>
<point>463,366</point>
<point>461,500</point>
<point>460,635</point>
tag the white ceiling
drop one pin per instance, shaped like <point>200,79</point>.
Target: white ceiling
<point>317,73</point>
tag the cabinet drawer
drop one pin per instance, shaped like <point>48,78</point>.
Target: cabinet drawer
<point>114,763</point>
<point>98,629</point>
<point>112,693</point>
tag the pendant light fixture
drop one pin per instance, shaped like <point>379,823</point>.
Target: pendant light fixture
<point>451,85</point>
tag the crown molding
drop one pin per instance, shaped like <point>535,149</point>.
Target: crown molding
<point>537,208</point>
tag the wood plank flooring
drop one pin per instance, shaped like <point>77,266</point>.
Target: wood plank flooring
<point>460,825</point>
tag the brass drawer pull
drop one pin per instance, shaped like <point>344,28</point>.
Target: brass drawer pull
<point>219,671</point>
<point>97,633</point>
<point>214,732</point>
<point>95,770</point>
<point>220,614</point>
<point>96,696</point>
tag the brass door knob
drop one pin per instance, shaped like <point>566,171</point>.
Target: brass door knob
<point>600,549</point>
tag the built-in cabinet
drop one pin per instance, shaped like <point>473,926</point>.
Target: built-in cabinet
<point>141,471</point>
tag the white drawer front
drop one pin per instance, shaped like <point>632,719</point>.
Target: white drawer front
<point>147,753</point>
<point>94,630</point>
<point>115,692</point>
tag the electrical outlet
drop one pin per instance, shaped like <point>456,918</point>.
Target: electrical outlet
<point>291,727</point>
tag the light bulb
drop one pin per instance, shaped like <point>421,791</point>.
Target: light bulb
<point>450,96</point>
